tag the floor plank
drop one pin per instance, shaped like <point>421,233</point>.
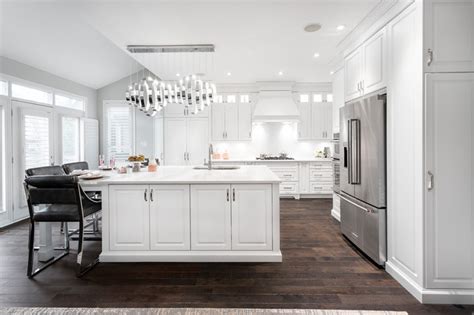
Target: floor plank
<point>320,269</point>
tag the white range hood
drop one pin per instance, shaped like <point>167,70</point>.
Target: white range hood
<point>276,106</point>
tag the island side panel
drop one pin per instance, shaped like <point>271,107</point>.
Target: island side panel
<point>105,218</point>
<point>276,218</point>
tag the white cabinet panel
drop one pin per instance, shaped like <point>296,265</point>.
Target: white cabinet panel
<point>245,121</point>
<point>304,125</point>
<point>169,217</point>
<point>218,121</point>
<point>449,34</point>
<point>374,52</point>
<point>449,206</point>
<point>159,138</point>
<point>197,140</point>
<point>338,97</point>
<point>129,217</point>
<point>175,141</point>
<point>322,121</point>
<point>353,75</point>
<point>251,217</point>
<point>211,217</point>
<point>175,110</point>
<point>231,121</point>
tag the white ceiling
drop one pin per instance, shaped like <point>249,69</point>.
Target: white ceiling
<point>255,39</point>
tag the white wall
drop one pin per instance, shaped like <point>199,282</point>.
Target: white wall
<point>272,138</point>
<point>19,70</point>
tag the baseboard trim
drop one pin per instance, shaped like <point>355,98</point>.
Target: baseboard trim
<point>430,296</point>
<point>336,215</point>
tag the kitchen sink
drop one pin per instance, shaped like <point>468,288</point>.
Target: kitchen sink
<point>217,167</point>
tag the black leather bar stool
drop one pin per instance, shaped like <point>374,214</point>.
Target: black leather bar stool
<point>45,170</point>
<point>62,200</point>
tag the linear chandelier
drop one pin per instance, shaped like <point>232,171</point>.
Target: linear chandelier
<point>150,95</point>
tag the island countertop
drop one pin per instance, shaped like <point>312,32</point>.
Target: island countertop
<point>188,175</point>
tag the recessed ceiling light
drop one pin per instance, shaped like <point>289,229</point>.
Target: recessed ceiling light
<point>316,55</point>
<point>177,74</point>
<point>229,74</point>
<point>331,73</point>
<point>312,27</point>
<point>280,73</point>
<point>340,27</point>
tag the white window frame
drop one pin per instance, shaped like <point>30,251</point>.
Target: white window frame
<point>70,95</point>
<point>105,126</point>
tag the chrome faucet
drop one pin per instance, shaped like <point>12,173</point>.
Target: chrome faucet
<point>211,152</point>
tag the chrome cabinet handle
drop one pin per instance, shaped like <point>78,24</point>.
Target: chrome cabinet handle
<point>233,194</point>
<point>354,204</point>
<point>430,181</point>
<point>184,156</point>
<point>184,112</point>
<point>228,199</point>
<point>151,195</point>
<point>144,194</point>
<point>430,57</point>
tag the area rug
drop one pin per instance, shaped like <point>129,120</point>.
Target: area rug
<point>182,311</point>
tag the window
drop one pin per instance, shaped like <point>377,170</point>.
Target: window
<point>119,132</point>
<point>69,102</point>
<point>3,87</point>
<point>36,141</point>
<point>71,139</point>
<point>231,99</point>
<point>329,98</point>
<point>244,98</point>
<point>31,94</point>
<point>317,98</point>
<point>304,98</point>
<point>2,161</point>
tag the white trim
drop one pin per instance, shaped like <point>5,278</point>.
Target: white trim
<point>430,296</point>
<point>336,215</point>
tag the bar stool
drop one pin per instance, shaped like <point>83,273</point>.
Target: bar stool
<point>63,200</point>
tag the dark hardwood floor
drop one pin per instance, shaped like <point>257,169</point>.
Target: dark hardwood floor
<point>320,269</point>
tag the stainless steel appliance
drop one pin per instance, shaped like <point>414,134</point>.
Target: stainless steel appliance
<point>363,175</point>
<point>337,150</point>
<point>336,185</point>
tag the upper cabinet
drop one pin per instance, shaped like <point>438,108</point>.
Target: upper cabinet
<point>315,116</point>
<point>179,110</point>
<point>449,35</point>
<point>232,118</point>
<point>338,97</point>
<point>365,68</point>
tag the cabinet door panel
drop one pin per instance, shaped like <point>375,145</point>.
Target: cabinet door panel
<point>218,121</point>
<point>449,204</point>
<point>175,141</point>
<point>251,217</point>
<point>129,217</point>
<point>318,121</point>
<point>169,217</point>
<point>197,140</point>
<point>374,63</point>
<point>245,121</point>
<point>210,217</point>
<point>449,26</point>
<point>232,121</point>
<point>174,110</point>
<point>352,68</point>
<point>304,125</point>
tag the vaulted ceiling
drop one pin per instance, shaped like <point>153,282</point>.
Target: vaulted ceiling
<point>85,41</point>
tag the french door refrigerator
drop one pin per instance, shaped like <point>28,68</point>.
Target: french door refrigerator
<point>363,175</point>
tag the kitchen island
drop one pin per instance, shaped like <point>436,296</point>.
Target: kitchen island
<point>181,214</point>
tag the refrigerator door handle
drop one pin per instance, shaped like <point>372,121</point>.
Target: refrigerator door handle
<point>354,204</point>
<point>349,149</point>
<point>355,151</point>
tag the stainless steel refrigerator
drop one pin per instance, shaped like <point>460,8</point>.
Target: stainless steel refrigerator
<point>363,175</point>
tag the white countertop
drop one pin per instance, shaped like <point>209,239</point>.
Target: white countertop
<point>187,175</point>
<point>274,161</point>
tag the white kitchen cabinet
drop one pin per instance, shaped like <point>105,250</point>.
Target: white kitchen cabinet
<point>364,69</point>
<point>186,140</point>
<point>197,140</point>
<point>374,52</point>
<point>449,35</point>
<point>245,121</point>
<point>129,225</point>
<point>251,217</point>
<point>159,138</point>
<point>179,110</point>
<point>322,121</point>
<point>211,217</point>
<point>305,125</point>
<point>218,122</point>
<point>231,118</point>
<point>353,75</point>
<point>449,188</point>
<point>169,217</point>
<point>175,141</point>
<point>338,97</point>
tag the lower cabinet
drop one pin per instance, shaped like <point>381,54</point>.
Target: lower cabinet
<point>204,217</point>
<point>129,219</point>
<point>169,217</point>
<point>210,217</point>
